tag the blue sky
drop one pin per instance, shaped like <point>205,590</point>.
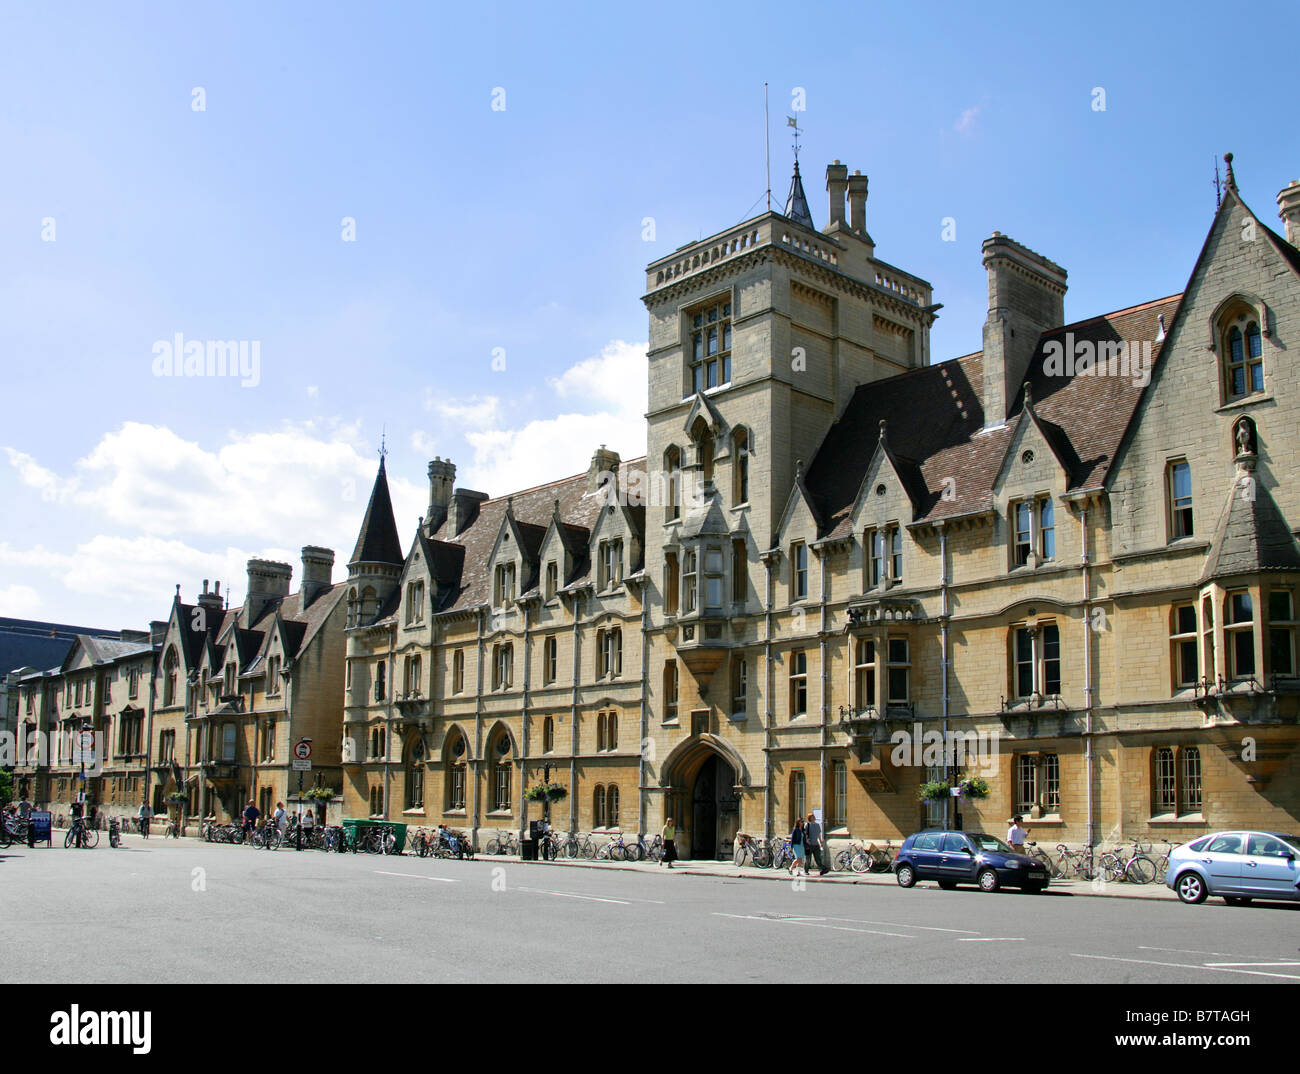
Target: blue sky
<point>515,232</point>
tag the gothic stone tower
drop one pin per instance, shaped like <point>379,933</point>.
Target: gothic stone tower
<point>758,337</point>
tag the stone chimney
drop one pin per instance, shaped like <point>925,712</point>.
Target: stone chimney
<point>211,601</point>
<point>317,572</point>
<point>604,467</point>
<point>442,475</point>
<point>157,631</point>
<point>858,203</point>
<point>267,581</point>
<point>462,510</point>
<point>1288,205</point>
<point>1026,299</point>
<point>837,181</point>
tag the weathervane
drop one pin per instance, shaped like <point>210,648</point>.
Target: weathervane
<point>1218,188</point>
<point>383,441</point>
<point>790,121</point>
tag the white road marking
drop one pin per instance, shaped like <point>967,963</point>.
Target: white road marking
<point>1186,966</point>
<point>417,876</point>
<point>1185,951</point>
<point>571,895</point>
<point>901,925</point>
<point>1287,962</point>
<point>989,939</point>
<point>813,924</point>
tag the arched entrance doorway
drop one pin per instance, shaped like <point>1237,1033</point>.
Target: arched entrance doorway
<point>715,809</point>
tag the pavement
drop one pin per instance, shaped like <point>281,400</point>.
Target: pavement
<point>181,910</point>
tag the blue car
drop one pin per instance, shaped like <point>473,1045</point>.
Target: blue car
<point>952,858</point>
<point>1238,867</point>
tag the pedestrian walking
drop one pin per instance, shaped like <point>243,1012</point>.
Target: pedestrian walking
<point>797,866</point>
<point>251,813</point>
<point>146,815</point>
<point>1017,835</point>
<point>813,843</point>
<point>669,836</point>
<point>280,818</point>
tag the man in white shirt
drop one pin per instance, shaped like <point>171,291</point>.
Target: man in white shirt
<point>1017,835</point>
<point>280,818</point>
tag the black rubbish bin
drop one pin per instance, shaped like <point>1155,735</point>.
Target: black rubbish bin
<point>528,850</point>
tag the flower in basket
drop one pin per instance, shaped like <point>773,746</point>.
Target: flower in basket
<point>546,792</point>
<point>973,787</point>
<point>934,791</point>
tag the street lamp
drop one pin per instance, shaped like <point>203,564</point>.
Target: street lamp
<point>300,741</point>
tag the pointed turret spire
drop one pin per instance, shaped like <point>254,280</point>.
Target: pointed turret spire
<point>378,541</point>
<point>796,205</point>
<point>1231,181</point>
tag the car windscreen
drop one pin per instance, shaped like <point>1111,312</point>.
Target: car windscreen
<point>990,842</point>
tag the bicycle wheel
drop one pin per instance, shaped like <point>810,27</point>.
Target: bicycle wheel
<point>860,861</point>
<point>90,838</point>
<point>1110,867</point>
<point>589,849</point>
<point>1141,870</point>
<point>618,852</point>
<point>67,839</point>
<point>388,843</point>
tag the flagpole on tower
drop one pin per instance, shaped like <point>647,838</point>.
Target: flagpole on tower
<point>767,147</point>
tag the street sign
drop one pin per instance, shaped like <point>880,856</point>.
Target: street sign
<point>83,751</point>
<point>302,764</point>
<point>302,750</point>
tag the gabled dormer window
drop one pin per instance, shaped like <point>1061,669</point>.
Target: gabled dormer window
<point>799,571</point>
<point>414,603</point>
<point>504,588</point>
<point>611,563</point>
<point>1033,530</point>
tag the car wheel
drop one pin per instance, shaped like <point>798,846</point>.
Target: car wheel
<point>1191,888</point>
<point>1234,900</point>
<point>948,885</point>
<point>988,880</point>
<point>906,876</point>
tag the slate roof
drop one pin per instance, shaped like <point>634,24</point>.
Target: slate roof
<point>1251,536</point>
<point>470,578</point>
<point>935,425</point>
<point>796,204</point>
<point>377,541</point>
<point>31,643</point>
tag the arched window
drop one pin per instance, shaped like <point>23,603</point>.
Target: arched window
<point>454,762</point>
<point>169,678</point>
<point>1242,350</point>
<point>611,731</point>
<point>798,795</point>
<point>611,806</point>
<point>598,806</point>
<point>415,775</point>
<point>501,772</point>
<point>673,482</point>
<point>740,452</point>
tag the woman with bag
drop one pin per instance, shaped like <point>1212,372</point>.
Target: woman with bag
<point>797,850</point>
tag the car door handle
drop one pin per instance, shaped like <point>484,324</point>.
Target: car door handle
<point>1207,861</point>
<point>1252,864</point>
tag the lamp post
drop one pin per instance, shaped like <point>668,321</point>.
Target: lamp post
<point>302,756</point>
<point>86,725</point>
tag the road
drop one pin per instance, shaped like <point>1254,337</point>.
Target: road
<point>184,911</point>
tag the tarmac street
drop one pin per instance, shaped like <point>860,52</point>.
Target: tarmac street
<point>187,911</point>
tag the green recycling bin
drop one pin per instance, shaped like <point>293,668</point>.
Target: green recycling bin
<point>357,827</point>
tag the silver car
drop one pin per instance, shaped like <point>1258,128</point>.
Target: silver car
<point>1239,866</point>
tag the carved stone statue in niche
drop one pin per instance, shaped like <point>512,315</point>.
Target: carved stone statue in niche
<point>1244,435</point>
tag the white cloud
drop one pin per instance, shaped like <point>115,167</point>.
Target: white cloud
<point>19,602</point>
<point>966,121</point>
<point>53,489</point>
<point>611,387</point>
<point>422,443</point>
<point>473,412</point>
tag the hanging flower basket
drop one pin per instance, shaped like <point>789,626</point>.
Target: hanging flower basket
<point>177,799</point>
<point>935,791</point>
<point>321,794</point>
<point>973,787</point>
<point>546,792</point>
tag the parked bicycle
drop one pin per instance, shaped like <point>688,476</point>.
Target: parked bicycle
<point>653,851</point>
<point>751,851</point>
<point>504,842</point>
<point>81,835</point>
<point>115,833</point>
<point>614,850</point>
<point>782,855</point>
<point>1129,863</point>
<point>1162,863</point>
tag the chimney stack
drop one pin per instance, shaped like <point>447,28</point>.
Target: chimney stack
<point>837,176</point>
<point>858,203</point>
<point>317,572</point>
<point>267,581</point>
<point>463,510</point>
<point>442,475</point>
<point>1288,204</point>
<point>604,467</point>
<point>210,601</point>
<point>157,632</point>
<point>1026,299</point>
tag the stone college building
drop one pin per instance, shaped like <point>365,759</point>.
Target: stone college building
<point>844,573</point>
<point>1066,563</point>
